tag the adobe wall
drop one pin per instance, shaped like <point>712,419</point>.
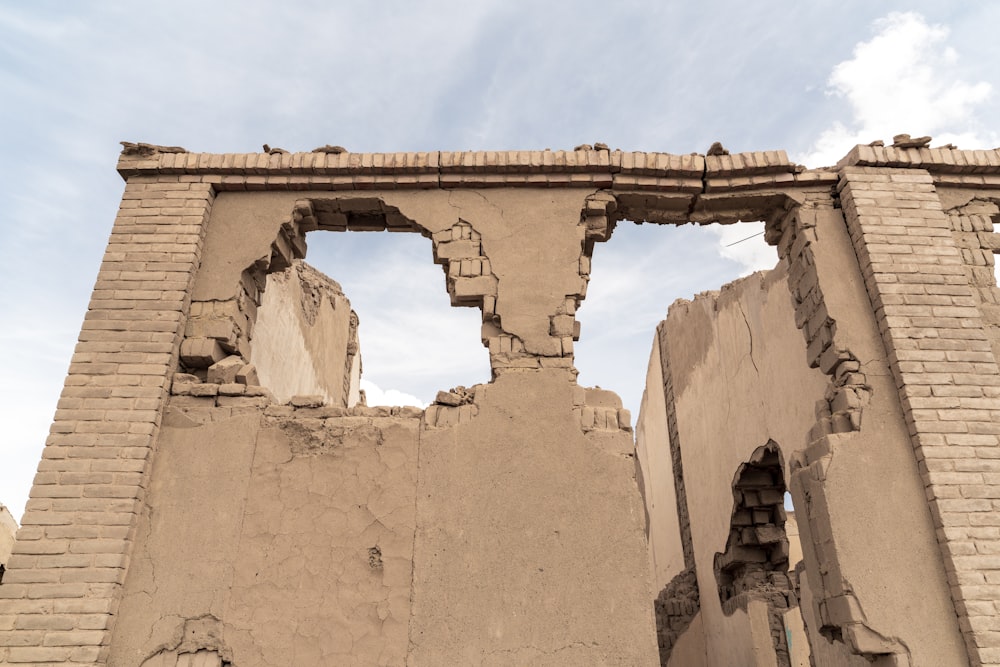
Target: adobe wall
<point>740,379</point>
<point>305,338</point>
<point>525,532</point>
<point>478,551</point>
<point>303,550</point>
<point>8,527</point>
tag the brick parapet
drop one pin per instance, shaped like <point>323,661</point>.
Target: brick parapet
<point>60,592</point>
<point>946,374</point>
<point>620,170</point>
<point>934,160</point>
<point>616,169</point>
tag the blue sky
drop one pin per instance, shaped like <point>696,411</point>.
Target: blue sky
<point>812,78</point>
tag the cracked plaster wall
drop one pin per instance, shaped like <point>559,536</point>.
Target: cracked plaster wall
<point>736,385</point>
<point>528,528</point>
<point>266,524</point>
<point>545,545</point>
<point>862,508</point>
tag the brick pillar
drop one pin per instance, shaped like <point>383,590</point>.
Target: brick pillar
<point>946,374</point>
<point>60,593</point>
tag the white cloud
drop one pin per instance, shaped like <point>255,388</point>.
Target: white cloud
<point>375,395</point>
<point>744,244</point>
<point>905,79</point>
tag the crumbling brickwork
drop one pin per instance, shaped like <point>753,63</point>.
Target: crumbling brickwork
<point>502,524</point>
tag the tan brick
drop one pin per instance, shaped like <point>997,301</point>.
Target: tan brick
<point>74,638</point>
<point>37,654</point>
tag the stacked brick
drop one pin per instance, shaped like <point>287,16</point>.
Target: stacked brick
<point>939,352</point>
<point>469,275</point>
<point>675,607</point>
<point>621,170</point>
<point>60,589</point>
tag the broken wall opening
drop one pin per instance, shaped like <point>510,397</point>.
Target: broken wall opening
<point>402,290</point>
<point>413,341</point>
<point>754,565</point>
<point>757,548</point>
<point>631,289</point>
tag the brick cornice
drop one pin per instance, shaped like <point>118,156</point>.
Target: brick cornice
<point>665,172</point>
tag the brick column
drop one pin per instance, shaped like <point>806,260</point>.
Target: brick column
<point>60,593</point>
<point>946,374</point>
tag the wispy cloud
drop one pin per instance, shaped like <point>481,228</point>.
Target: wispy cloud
<point>904,79</point>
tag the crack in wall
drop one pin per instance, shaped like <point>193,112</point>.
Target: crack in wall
<point>739,304</point>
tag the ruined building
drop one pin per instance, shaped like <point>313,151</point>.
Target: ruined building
<point>215,492</point>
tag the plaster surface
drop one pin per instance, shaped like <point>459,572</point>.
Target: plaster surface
<point>281,560</point>
<point>302,338</point>
<point>187,515</point>
<point>530,564</point>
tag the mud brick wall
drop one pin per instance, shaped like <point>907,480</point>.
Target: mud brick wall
<point>930,310</point>
<point>940,354</point>
<point>73,548</point>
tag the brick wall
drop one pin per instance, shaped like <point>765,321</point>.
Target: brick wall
<point>69,562</point>
<point>940,355</point>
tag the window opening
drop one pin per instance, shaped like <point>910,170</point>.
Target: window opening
<point>413,342</point>
<point>636,275</point>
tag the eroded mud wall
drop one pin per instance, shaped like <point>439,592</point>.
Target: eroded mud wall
<point>274,536</point>
<point>750,365</point>
<point>736,360</point>
<point>523,517</point>
<point>898,467</point>
<point>519,562</point>
<point>656,479</point>
<point>305,338</point>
